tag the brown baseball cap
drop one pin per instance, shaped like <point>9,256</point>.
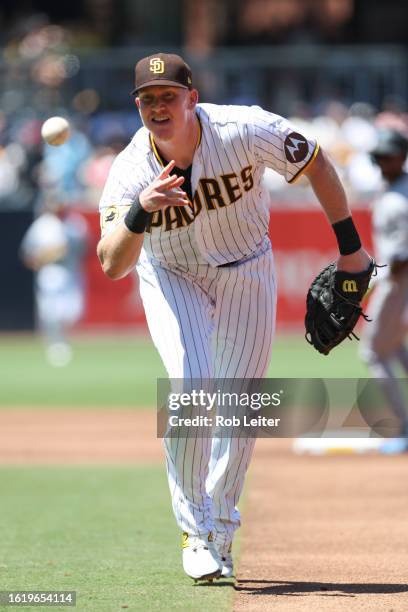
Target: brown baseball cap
<point>162,69</point>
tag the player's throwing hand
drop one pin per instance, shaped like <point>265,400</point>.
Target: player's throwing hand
<point>164,191</point>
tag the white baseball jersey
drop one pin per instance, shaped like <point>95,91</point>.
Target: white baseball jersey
<point>229,215</point>
<point>207,319</point>
<point>59,283</point>
<point>390,223</point>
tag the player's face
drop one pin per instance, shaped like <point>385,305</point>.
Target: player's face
<point>391,166</point>
<point>166,110</point>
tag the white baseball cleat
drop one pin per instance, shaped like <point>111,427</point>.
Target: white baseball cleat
<point>200,558</point>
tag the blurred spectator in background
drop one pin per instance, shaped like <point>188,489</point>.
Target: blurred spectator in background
<point>384,338</point>
<point>264,22</point>
<point>359,135</point>
<point>112,138</point>
<point>394,115</point>
<point>61,169</point>
<point>20,156</point>
<point>54,247</point>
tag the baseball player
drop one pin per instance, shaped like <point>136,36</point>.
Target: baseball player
<point>383,340</point>
<point>53,247</point>
<point>184,203</point>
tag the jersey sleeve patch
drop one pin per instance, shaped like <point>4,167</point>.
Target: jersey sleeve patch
<point>111,216</point>
<point>296,147</point>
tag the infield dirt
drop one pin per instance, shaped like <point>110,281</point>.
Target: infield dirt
<point>322,534</point>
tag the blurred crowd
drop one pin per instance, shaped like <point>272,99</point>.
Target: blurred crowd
<point>33,173</point>
<point>348,135</point>
<point>42,75</point>
<point>38,71</point>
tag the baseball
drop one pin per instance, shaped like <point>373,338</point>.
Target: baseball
<point>55,131</point>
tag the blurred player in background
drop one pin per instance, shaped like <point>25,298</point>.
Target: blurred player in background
<point>384,338</point>
<point>54,246</point>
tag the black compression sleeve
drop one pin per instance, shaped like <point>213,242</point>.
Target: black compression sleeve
<point>347,236</point>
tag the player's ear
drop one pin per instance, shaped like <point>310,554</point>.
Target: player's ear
<point>137,102</point>
<point>193,98</point>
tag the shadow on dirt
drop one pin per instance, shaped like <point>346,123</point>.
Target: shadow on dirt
<point>334,589</point>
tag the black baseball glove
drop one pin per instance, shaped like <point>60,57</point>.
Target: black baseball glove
<point>333,306</point>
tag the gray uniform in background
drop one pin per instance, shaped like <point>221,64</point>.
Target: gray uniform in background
<point>54,246</point>
<point>384,338</point>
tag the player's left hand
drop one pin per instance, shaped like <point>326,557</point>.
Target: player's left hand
<point>356,262</point>
<point>333,304</point>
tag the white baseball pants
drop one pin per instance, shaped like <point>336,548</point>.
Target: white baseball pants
<point>383,341</point>
<point>210,323</point>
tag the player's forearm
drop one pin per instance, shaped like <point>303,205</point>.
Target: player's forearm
<point>332,197</point>
<point>328,188</point>
<point>119,251</point>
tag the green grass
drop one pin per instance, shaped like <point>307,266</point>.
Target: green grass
<point>111,372</point>
<point>293,357</point>
<point>107,533</point>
